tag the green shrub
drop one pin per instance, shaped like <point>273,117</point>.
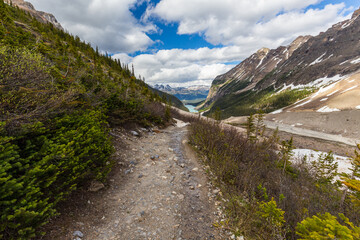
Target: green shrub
<point>326,226</point>
<point>271,219</point>
<point>44,164</point>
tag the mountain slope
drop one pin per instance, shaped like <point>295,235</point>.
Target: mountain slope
<point>251,85</point>
<point>58,99</point>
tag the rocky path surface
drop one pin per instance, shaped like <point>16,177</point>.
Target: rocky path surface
<point>160,192</point>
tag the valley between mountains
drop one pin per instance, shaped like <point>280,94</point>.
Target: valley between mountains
<point>88,150</point>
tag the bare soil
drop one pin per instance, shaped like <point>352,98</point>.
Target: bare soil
<point>157,190</point>
<point>345,123</point>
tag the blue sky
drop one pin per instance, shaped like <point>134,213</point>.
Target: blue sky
<point>190,42</point>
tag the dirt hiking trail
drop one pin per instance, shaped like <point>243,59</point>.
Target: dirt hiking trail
<point>158,190</point>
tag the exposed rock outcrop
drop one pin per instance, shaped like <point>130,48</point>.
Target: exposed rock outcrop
<point>43,17</point>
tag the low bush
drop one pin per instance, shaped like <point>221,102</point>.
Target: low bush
<point>43,163</point>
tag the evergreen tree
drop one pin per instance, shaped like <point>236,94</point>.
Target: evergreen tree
<point>326,226</point>
<point>353,181</point>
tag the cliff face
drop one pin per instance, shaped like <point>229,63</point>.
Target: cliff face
<point>39,15</point>
<point>306,59</point>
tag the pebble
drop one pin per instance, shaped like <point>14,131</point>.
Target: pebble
<point>96,186</point>
<point>192,187</point>
<point>182,165</point>
<point>195,169</point>
<point>237,238</point>
<point>172,179</point>
<point>140,175</point>
<point>135,133</point>
<point>216,191</point>
<point>78,234</point>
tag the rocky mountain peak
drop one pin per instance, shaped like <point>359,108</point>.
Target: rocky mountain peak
<point>261,53</point>
<point>356,13</point>
<point>298,42</point>
<point>39,15</point>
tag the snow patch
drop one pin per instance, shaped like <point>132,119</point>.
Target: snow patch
<point>332,93</point>
<point>318,60</point>
<point>328,109</point>
<point>355,61</point>
<point>357,107</point>
<point>277,111</point>
<point>344,62</point>
<point>302,104</point>
<point>181,124</point>
<point>326,81</point>
<point>324,99</point>
<point>351,88</point>
<point>260,62</point>
<point>344,163</point>
<point>348,22</point>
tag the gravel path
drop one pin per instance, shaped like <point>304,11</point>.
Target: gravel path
<point>159,192</point>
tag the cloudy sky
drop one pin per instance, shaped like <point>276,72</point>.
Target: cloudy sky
<point>190,42</point>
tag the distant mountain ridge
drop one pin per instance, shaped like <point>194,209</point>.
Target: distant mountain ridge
<point>305,60</point>
<point>185,93</point>
<point>43,17</point>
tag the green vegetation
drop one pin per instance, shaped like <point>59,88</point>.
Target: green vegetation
<point>326,226</point>
<point>58,98</point>
<point>267,196</point>
<point>44,162</point>
<point>250,102</point>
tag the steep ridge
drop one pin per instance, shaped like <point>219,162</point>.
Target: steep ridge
<point>296,66</point>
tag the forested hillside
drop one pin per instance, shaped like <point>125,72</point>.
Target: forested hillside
<point>58,98</point>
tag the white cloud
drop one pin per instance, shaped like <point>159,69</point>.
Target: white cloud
<point>241,26</point>
<point>250,24</point>
<point>106,23</point>
<point>179,67</point>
